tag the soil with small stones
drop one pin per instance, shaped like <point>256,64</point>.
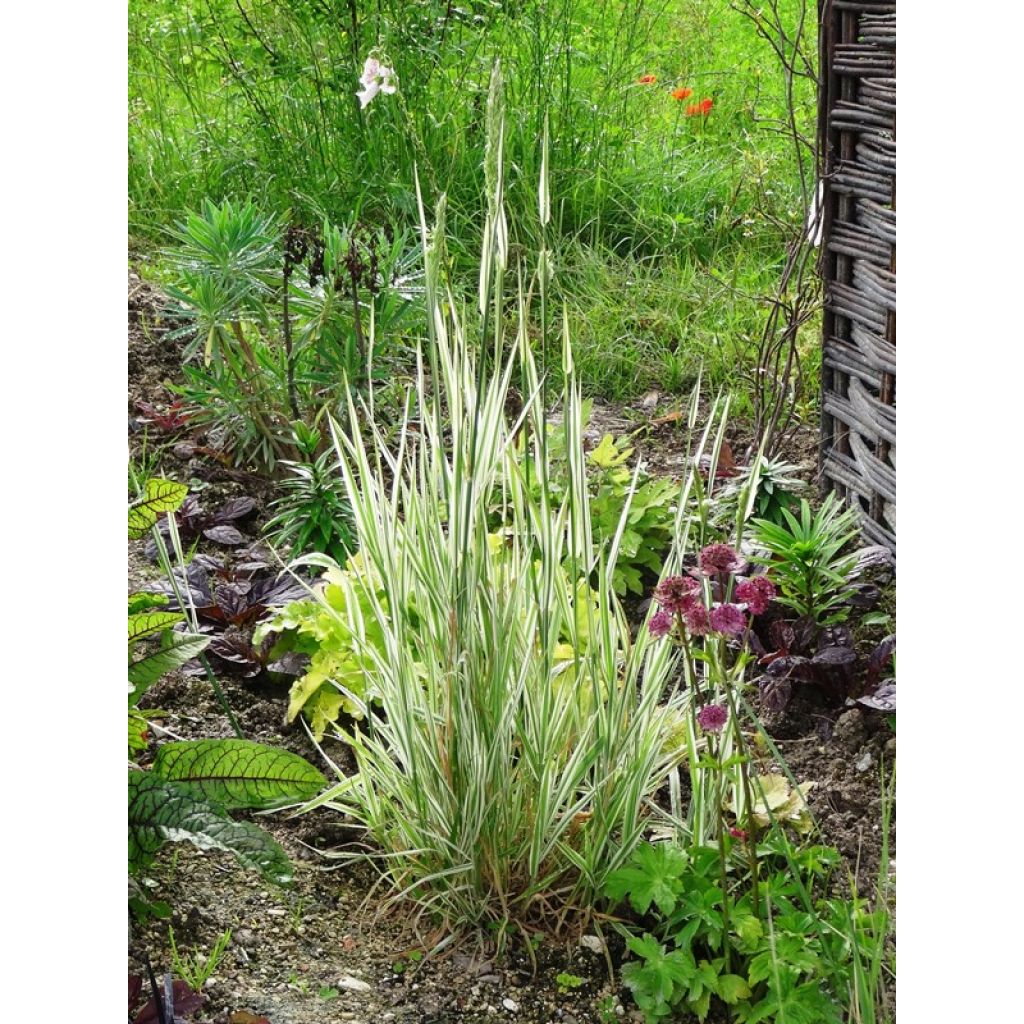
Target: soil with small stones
<point>329,948</point>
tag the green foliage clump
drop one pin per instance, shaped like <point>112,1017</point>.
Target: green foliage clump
<point>813,576</point>
<point>340,661</point>
<point>792,959</point>
<point>280,322</point>
<point>311,514</point>
<point>649,503</point>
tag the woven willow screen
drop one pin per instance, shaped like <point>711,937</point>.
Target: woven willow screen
<point>857,124</point>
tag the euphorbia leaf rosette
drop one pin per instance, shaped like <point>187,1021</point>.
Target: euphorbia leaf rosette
<point>719,558</point>
<point>757,593</point>
<point>729,619</point>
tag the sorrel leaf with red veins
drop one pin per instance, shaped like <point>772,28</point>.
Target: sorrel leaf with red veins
<point>161,496</point>
<point>160,811</point>
<point>239,773</point>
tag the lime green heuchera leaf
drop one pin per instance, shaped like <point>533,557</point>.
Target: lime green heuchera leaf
<point>774,798</point>
<point>607,455</point>
<point>336,657</point>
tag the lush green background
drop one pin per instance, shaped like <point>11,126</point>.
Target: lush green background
<point>668,229</point>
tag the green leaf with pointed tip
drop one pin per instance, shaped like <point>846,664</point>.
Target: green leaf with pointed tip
<point>732,988</point>
<point>239,773</point>
<point>142,601</point>
<point>161,496</point>
<point>180,647</point>
<point>652,876</point>
<point>160,811</point>
<point>147,623</point>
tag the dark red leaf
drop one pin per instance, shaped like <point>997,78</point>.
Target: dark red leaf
<point>787,665</point>
<point>835,657</point>
<point>781,635</point>
<point>880,658</point>
<point>775,693</point>
<point>883,699</point>
<point>835,636</point>
<point>864,596</point>
<point>186,1002</point>
<point>224,534</point>
<point>236,508</point>
<point>134,991</point>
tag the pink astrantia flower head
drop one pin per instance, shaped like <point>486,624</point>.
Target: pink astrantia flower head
<point>728,618</point>
<point>757,592</point>
<point>719,558</point>
<point>676,593</point>
<point>712,717</point>
<point>374,79</point>
<point>696,618</point>
<point>660,624</point>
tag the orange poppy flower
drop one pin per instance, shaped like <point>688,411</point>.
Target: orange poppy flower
<point>703,108</point>
<point>647,79</point>
<point>681,94</point>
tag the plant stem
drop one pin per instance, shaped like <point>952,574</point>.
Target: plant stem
<point>293,399</point>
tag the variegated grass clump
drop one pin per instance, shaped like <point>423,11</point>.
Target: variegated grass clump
<point>514,732</point>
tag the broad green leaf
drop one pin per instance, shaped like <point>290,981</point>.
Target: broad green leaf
<point>651,877</point>
<point>146,623</point>
<point>732,988</point>
<point>161,496</point>
<point>160,811</point>
<point>180,648</point>
<point>142,601</point>
<point>239,773</point>
<point>606,455</point>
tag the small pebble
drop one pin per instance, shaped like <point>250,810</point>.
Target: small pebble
<point>594,943</point>
<point>350,984</point>
<point>510,1004</point>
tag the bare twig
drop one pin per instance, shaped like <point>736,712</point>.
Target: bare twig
<point>778,380</point>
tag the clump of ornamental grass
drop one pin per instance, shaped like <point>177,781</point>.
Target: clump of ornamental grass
<point>513,733</point>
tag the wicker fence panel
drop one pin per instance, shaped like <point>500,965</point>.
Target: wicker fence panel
<point>857,127</point>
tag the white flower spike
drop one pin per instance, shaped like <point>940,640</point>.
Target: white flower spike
<point>375,78</point>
